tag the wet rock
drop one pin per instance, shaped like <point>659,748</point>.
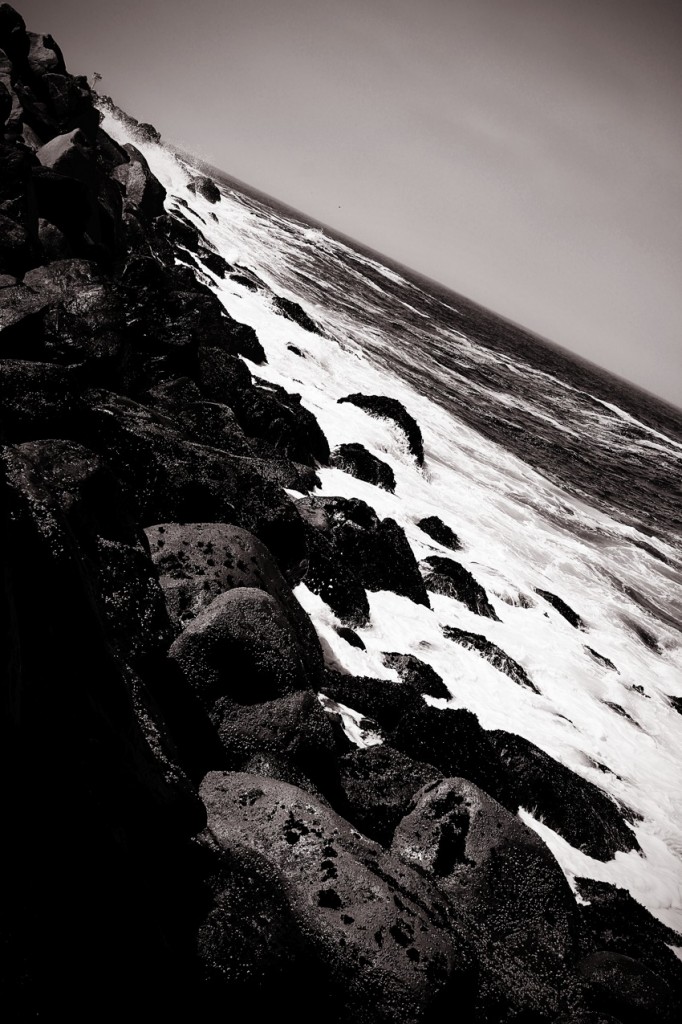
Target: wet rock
<point>627,989</point>
<point>144,193</point>
<point>147,132</point>
<point>379,784</point>
<point>326,573</point>
<point>246,343</point>
<point>562,608</point>
<point>197,562</point>
<point>271,414</point>
<point>293,311</point>
<point>578,810</point>
<point>418,674</point>
<point>440,532</point>
<point>600,659</point>
<point>294,729</point>
<point>244,281</point>
<point>240,647</point>
<point>445,576</point>
<point>14,39</point>
<point>392,409</point>
<point>375,550</point>
<point>210,423</point>
<point>36,400</point>
<point>492,653</point>
<point>214,262</point>
<point>503,881</point>
<point>356,460</point>
<point>383,700</point>
<point>350,636</point>
<point>206,188</point>
<point>388,959</point>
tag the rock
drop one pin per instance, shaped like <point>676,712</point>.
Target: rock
<point>70,103</point>
<point>14,39</point>
<point>147,132</point>
<point>379,784</point>
<point>350,636</point>
<point>392,409</point>
<point>294,729</point>
<point>327,574</point>
<point>197,562</point>
<point>246,343</point>
<point>296,351</point>
<point>503,882</point>
<point>600,659</point>
<point>375,550</point>
<point>241,647</point>
<point>244,281</point>
<point>293,311</point>
<point>562,608</point>
<point>417,674</point>
<point>15,247</point>
<point>578,810</point>
<point>440,532</point>
<point>492,653</point>
<point>36,400</point>
<point>619,924</point>
<point>356,460</point>
<point>627,989</point>
<point>214,262</point>
<point>206,188</point>
<point>445,576</point>
<point>380,699</point>
<point>210,423</point>
<point>387,958</point>
<point>44,56</point>
<point>144,193</point>
<point>53,243</point>
<point>271,414</point>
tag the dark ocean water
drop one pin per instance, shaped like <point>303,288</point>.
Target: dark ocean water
<point>602,439</point>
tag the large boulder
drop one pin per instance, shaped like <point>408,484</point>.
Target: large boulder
<point>198,561</point>
<point>373,922</point>
<point>392,409</point>
<point>326,573</point>
<point>240,647</point>
<point>492,653</point>
<point>356,460</point>
<point>294,311</point>
<point>418,674</point>
<point>439,531</point>
<point>14,39</point>
<point>504,883</point>
<point>36,400</point>
<point>633,993</point>
<point>44,56</point>
<point>205,187</point>
<point>144,193</point>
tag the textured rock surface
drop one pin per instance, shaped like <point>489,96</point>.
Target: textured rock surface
<point>392,409</point>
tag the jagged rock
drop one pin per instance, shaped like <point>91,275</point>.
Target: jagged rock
<point>392,409</point>
<point>578,810</point>
<point>209,423</point>
<point>15,246</point>
<point>70,103</point>
<point>619,924</point>
<point>600,659</point>
<point>562,608</point>
<point>53,243</point>
<point>198,561</point>
<point>435,528</point>
<point>271,414</point>
<point>454,742</point>
<point>383,700</point>
<point>418,674</point>
<point>627,989</point>
<point>214,262</point>
<point>326,573</point>
<point>174,480</point>
<point>503,882</point>
<point>241,647</point>
<point>293,311</point>
<point>14,39</point>
<point>147,132</point>
<point>350,636</point>
<point>293,728</point>
<point>206,188</point>
<point>356,460</point>
<point>379,784</point>
<point>144,193</point>
<point>244,281</point>
<point>387,959</point>
<point>445,576</point>
<point>44,56</point>
<point>246,343</point>
<point>36,400</point>
<point>492,653</point>
<point>375,550</point>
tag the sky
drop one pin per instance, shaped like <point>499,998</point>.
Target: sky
<point>525,153</point>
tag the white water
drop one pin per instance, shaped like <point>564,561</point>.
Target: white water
<point>519,531</point>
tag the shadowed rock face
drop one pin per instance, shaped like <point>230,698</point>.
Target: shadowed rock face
<point>562,608</point>
<point>356,460</point>
<point>492,653</point>
<point>392,409</point>
<point>445,576</point>
<point>440,532</point>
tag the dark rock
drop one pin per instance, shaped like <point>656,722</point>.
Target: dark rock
<point>492,653</point>
<point>445,576</point>
<point>562,608</point>
<point>356,460</point>
<point>244,281</point>
<point>36,400</point>
<point>271,414</point>
<point>16,250</point>
<point>504,883</point>
<point>392,409</point>
<point>144,193</point>
<point>241,647</point>
<point>198,561</point>
<point>296,351</point>
<point>390,957</point>
<point>619,924</point>
<point>70,103</point>
<point>53,243</point>
<point>147,132</point>
<point>246,343</point>
<point>14,39</point>
<point>350,636</point>
<point>375,550</point>
<point>383,700</point>
<point>600,659</point>
<point>379,783</point>
<point>435,528</point>
<point>327,575</point>
<point>294,729</point>
<point>293,311</point>
<point>44,56</point>
<point>206,188</point>
<point>214,262</point>
<point>627,989</point>
<point>676,703</point>
<point>418,674</point>
<point>454,742</point>
<point>578,810</point>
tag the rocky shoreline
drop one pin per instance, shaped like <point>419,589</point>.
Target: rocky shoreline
<point>188,821</point>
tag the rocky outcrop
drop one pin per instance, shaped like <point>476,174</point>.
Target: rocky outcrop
<point>205,187</point>
<point>356,460</point>
<point>392,409</point>
<point>440,532</point>
<point>447,577</point>
<point>492,653</point>
<point>562,608</point>
<point>294,311</point>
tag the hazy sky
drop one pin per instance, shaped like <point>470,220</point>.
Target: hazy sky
<point>526,153</point>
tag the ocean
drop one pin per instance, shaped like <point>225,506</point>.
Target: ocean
<point>555,476</point>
